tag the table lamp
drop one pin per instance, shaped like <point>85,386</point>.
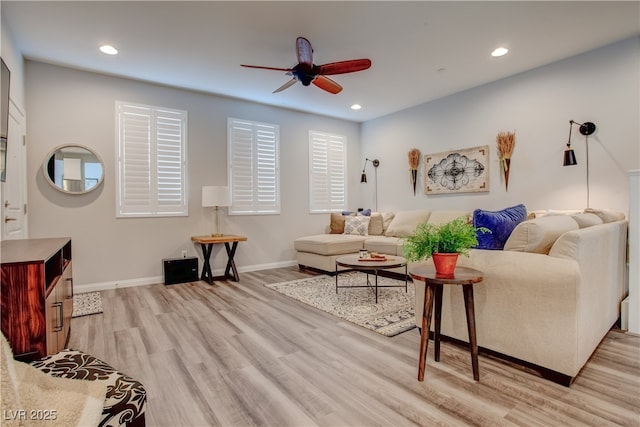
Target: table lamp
<point>216,196</point>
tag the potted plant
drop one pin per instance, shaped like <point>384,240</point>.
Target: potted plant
<point>444,242</point>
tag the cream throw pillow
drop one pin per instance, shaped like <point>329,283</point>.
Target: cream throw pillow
<point>356,225</point>
<point>442,217</point>
<point>405,222</point>
<point>585,220</point>
<point>606,215</point>
<point>387,217</point>
<point>376,225</point>
<point>538,235</point>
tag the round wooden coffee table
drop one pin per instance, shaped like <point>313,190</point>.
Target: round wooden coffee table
<point>354,262</point>
<point>466,277</point>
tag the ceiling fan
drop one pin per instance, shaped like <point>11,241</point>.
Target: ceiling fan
<point>306,72</point>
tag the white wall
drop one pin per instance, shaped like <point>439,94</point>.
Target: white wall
<point>12,56</point>
<point>71,106</point>
<point>600,86</point>
<point>13,192</point>
<point>634,253</point>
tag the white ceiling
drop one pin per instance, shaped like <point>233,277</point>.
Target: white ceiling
<point>420,50</point>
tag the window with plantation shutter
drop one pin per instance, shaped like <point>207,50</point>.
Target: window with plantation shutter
<point>327,172</point>
<point>152,161</point>
<point>254,170</point>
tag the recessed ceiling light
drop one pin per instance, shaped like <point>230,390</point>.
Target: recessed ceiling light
<point>108,49</point>
<point>500,51</point>
<point>356,106</point>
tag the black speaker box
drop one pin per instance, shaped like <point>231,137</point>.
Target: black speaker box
<point>180,270</point>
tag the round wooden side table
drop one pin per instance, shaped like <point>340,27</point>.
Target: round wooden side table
<point>434,282</point>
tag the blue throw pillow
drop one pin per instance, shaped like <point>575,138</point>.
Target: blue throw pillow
<point>501,223</point>
<point>365,212</point>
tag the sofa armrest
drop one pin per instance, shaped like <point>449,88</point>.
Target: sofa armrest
<point>519,306</point>
<point>600,252</point>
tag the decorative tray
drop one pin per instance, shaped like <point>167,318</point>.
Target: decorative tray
<point>376,259</point>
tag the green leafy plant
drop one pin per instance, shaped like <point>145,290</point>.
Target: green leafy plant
<point>457,236</point>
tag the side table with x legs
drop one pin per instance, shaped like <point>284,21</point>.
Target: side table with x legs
<point>230,244</point>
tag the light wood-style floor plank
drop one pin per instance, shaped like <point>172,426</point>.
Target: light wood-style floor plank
<point>239,354</point>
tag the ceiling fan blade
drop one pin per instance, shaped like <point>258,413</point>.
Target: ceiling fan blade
<point>266,68</point>
<point>327,84</point>
<point>304,51</point>
<point>286,85</point>
<point>343,67</point>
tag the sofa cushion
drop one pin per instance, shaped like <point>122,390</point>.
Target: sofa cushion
<point>387,217</point>
<point>538,235</point>
<point>404,223</point>
<point>336,225</point>
<point>357,225</point>
<point>442,217</point>
<point>500,223</point>
<point>330,244</point>
<point>384,245</point>
<point>606,215</point>
<point>585,220</point>
<point>562,212</point>
<point>376,226</point>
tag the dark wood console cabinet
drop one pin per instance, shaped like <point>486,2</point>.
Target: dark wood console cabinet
<point>36,293</point>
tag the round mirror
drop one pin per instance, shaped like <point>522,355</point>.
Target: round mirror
<point>73,169</point>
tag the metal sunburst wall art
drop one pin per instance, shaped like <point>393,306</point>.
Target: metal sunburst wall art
<point>458,171</point>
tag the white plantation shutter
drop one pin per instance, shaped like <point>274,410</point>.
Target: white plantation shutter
<point>327,172</point>
<point>152,145</point>
<point>254,172</point>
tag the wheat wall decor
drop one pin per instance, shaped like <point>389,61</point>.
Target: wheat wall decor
<point>414,161</point>
<point>506,142</point>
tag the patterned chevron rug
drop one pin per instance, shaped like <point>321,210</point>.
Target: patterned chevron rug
<point>392,315</point>
<point>86,303</point>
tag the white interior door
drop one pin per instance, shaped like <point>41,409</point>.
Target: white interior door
<point>14,189</point>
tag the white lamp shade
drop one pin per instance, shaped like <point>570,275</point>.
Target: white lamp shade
<point>215,196</point>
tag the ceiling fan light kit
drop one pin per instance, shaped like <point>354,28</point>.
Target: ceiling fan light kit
<point>306,72</point>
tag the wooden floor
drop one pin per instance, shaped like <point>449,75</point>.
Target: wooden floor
<point>239,354</point>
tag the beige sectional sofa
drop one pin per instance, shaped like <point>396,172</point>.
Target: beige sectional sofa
<point>321,250</point>
<point>546,300</point>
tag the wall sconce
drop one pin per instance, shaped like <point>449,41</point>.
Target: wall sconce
<point>363,178</point>
<point>215,196</point>
<point>586,129</point>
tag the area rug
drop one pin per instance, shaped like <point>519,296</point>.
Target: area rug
<point>392,315</point>
<point>86,303</point>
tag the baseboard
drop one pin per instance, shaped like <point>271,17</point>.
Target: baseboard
<point>267,266</point>
<point>127,283</point>
<point>115,284</point>
<point>624,314</point>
